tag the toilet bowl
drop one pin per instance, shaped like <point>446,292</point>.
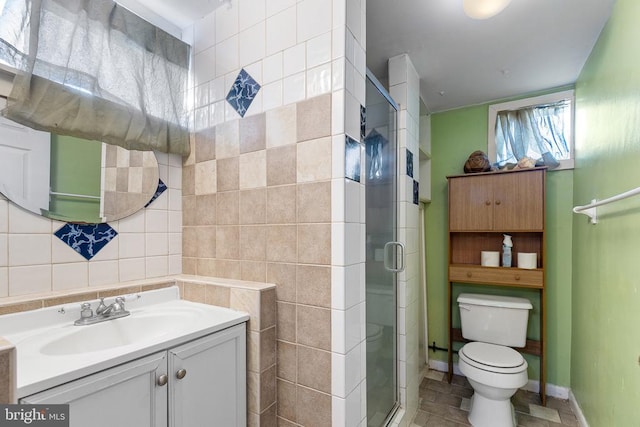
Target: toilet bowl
<point>496,371</point>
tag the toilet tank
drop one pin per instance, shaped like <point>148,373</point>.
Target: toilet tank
<point>494,319</point>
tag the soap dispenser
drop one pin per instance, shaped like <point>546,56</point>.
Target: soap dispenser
<point>507,244</point>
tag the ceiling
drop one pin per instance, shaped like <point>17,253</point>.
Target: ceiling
<point>532,45</point>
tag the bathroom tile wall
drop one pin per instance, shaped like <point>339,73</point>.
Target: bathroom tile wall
<point>148,244</point>
<point>404,88</point>
<point>264,193</point>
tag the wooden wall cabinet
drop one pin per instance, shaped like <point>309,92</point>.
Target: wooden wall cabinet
<point>483,207</point>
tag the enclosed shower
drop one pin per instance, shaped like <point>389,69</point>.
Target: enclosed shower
<point>384,253</point>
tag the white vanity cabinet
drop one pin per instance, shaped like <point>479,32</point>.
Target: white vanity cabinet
<point>199,383</point>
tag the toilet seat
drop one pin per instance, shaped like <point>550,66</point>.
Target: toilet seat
<point>492,358</point>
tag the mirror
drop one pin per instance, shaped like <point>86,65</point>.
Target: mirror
<point>71,179</point>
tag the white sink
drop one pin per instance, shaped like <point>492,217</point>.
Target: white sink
<point>52,350</point>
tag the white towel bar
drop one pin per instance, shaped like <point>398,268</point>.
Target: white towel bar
<point>591,211</point>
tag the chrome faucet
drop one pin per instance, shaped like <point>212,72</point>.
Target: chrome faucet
<point>103,312</point>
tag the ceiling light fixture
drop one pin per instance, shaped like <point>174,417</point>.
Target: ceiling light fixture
<point>484,9</point>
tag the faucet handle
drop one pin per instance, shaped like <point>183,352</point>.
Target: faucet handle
<point>101,307</point>
<point>85,310</point>
<point>119,304</point>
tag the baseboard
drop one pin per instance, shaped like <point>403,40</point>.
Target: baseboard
<point>577,410</point>
<point>533,385</point>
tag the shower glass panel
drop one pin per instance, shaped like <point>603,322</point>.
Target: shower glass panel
<point>381,173</point>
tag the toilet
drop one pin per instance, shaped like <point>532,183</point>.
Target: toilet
<point>496,371</point>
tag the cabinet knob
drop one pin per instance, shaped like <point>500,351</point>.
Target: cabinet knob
<point>517,277</point>
<point>469,274</point>
<point>487,202</point>
<point>162,380</point>
<point>498,202</point>
<point>181,374</point>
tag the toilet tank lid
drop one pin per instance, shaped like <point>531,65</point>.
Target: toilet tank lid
<point>495,301</point>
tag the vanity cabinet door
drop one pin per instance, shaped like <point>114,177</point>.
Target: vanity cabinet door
<point>207,381</point>
<point>127,395</point>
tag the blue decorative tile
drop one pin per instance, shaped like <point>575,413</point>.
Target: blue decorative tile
<point>86,239</point>
<point>409,163</point>
<point>352,159</point>
<point>242,93</point>
<point>416,192</point>
<point>162,187</point>
<point>363,122</point>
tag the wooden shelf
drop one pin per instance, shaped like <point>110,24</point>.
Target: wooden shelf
<point>483,207</point>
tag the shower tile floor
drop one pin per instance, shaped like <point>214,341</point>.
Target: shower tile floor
<point>447,405</point>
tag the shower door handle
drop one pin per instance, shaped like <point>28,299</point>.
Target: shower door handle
<point>388,265</point>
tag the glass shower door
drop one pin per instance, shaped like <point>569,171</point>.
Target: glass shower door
<point>382,253</point>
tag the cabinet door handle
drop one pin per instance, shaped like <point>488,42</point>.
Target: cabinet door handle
<point>469,274</point>
<point>517,277</point>
<point>487,202</point>
<point>162,380</point>
<point>498,202</point>
<point>181,374</point>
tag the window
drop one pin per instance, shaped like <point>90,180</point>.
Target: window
<point>540,128</point>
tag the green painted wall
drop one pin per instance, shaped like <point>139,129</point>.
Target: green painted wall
<point>75,168</point>
<point>454,135</point>
<point>605,376</point>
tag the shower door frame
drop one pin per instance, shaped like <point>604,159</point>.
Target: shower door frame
<point>396,191</point>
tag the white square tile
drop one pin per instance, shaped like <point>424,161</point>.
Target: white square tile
<point>131,245</point>
<point>157,266</point>
<point>175,222</point>
<point>338,411</point>
<point>353,327</point>
<point>338,74</point>
<point>174,200</point>
<point>294,60</point>
<point>252,44</point>
<point>354,17</point>
<point>29,280</point>
<point>314,18</point>
<point>156,221</point>
<point>352,117</point>
<point>353,407</point>
<point>156,244</point>
<point>281,31</point>
<point>175,160</point>
<point>338,40</point>
<point>227,20</point>
<point>275,6</point>
<point>103,272</point>
<point>319,50</point>
<point>353,242</point>
<point>61,253</point>
<point>205,33</point>
<point>202,95</point>
<point>338,199</point>
<point>175,177</point>
<point>354,280</point>
<point>294,88</point>
<point>272,95</point>
<point>4,216</point>
<point>110,251</point>
<point>337,120</point>
<point>217,90</point>
<point>70,276</point>
<point>205,65</point>
<point>363,200</point>
<point>175,243</point>
<point>338,375</point>
<point>319,80</point>
<point>352,201</point>
<point>338,288</point>
<point>338,244</point>
<point>29,249</point>
<point>4,282</point>
<point>339,18</point>
<point>352,378</point>
<point>272,68</point>
<point>252,12</point>
<point>4,250</point>
<point>131,269</point>
<point>175,264</point>
<point>217,112</point>
<point>256,106</point>
<point>338,331</point>
<point>22,221</point>
<point>133,224</point>
<point>227,56</point>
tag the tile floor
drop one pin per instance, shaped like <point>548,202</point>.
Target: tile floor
<point>447,405</point>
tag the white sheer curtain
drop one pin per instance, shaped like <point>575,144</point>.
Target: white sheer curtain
<point>538,132</point>
<point>92,69</point>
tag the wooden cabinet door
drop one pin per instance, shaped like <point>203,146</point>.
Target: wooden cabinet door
<point>471,203</point>
<point>518,201</point>
<point>207,381</point>
<point>126,395</point>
